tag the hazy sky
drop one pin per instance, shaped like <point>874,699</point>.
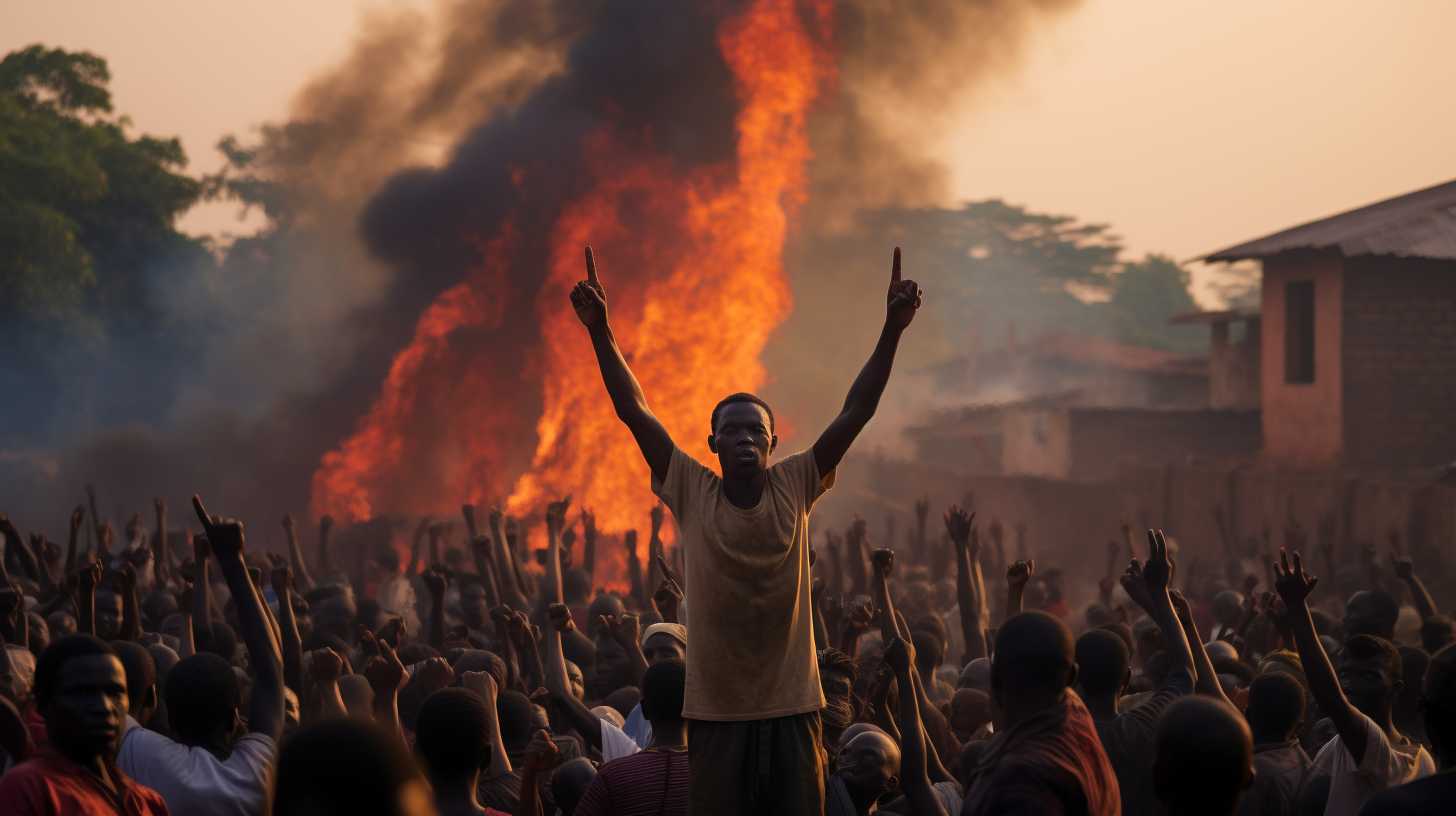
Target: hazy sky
<point>1186,124</point>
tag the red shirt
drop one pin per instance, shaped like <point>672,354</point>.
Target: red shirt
<point>52,785</point>
<point>1049,765</point>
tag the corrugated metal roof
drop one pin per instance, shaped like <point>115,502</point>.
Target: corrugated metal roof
<point>1421,224</point>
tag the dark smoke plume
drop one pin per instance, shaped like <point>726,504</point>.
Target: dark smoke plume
<point>397,164</point>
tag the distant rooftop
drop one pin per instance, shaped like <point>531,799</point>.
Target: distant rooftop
<point>1216,316</point>
<point>1421,224</point>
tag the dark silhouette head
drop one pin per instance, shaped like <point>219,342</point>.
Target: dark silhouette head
<point>80,690</point>
<point>1102,664</point>
<point>516,723</point>
<point>1371,612</point>
<point>569,783</point>
<point>108,613</point>
<point>663,685</point>
<point>970,709</point>
<point>141,678</point>
<point>1371,674</point>
<point>344,767</point>
<point>1276,707</point>
<point>451,736</point>
<point>1204,759</point>
<point>1032,667</point>
<point>742,435</point>
<point>1438,706</point>
<point>869,765</point>
<point>474,609</point>
<point>202,699</point>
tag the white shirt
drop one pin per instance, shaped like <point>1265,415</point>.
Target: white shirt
<point>1384,765</point>
<point>194,782</point>
<point>615,743</point>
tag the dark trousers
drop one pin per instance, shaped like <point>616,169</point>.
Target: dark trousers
<point>760,767</point>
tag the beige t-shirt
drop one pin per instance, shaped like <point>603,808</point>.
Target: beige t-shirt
<point>751,637</point>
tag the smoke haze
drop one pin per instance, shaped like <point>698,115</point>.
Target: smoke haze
<point>398,174</point>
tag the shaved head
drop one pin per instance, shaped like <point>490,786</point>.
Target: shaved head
<point>1033,658</point>
<point>870,765</point>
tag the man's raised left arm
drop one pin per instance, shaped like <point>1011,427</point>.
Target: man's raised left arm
<point>902,301</point>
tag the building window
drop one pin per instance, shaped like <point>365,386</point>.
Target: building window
<point>1299,332</point>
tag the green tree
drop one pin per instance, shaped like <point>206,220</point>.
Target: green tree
<point>85,210</point>
<point>88,242</point>
<point>1144,295</point>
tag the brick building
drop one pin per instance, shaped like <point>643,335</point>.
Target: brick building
<point>1358,359</point>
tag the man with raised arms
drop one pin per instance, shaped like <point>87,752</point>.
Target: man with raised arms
<point>753,695</point>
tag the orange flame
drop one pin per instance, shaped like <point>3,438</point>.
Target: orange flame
<point>692,335</point>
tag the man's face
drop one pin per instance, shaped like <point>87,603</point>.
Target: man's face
<point>660,648</point>
<point>1368,684</point>
<point>108,614</point>
<point>335,616</point>
<point>742,439</point>
<point>85,713</point>
<point>836,685</point>
<point>575,679</point>
<point>610,670</point>
<point>868,764</point>
<point>472,606</point>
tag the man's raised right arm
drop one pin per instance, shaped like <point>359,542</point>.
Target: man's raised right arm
<point>590,301</point>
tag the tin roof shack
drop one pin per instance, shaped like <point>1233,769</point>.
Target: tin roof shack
<point>1098,370</point>
<point>1090,443</point>
<point>1358,365</point>
<point>1233,357</point>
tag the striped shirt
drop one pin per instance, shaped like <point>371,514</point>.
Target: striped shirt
<point>650,783</point>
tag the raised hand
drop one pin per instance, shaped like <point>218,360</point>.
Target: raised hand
<point>325,666</point>
<point>1158,571</point>
<point>385,672</point>
<point>588,297</point>
<point>625,629</point>
<point>556,514</point>
<point>899,655</point>
<point>288,524</point>
<point>541,753</point>
<point>436,580</point>
<point>560,617</point>
<point>902,300</point>
<point>78,517</point>
<point>1404,567</point>
<point>860,618</point>
<point>88,578</point>
<point>883,560</point>
<point>657,515</point>
<point>1293,584</point>
<point>281,576</point>
<point>1019,573</point>
<point>224,535</point>
<point>1136,586</point>
<point>958,524</point>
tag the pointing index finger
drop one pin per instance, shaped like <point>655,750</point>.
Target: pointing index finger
<point>895,267</point>
<point>202,515</point>
<point>591,266</point>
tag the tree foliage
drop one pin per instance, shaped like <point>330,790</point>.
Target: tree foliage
<point>85,210</point>
<point>87,215</point>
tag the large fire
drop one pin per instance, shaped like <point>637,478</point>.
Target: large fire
<point>692,334</point>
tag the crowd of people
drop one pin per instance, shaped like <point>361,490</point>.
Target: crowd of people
<point>748,669</point>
